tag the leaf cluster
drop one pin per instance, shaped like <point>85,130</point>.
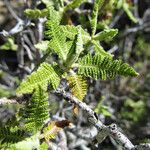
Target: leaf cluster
<point>69,46</point>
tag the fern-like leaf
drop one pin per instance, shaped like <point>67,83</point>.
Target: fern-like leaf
<point>53,128</point>
<point>78,86</point>
<point>51,131</point>
<point>74,4</point>
<point>97,5</point>
<point>99,67</point>
<point>36,111</point>
<point>76,49</point>
<point>70,31</point>
<point>43,76</point>
<point>36,13</point>
<point>100,50</point>
<point>54,15</point>
<point>11,135</point>
<point>107,34</point>
<point>58,39</point>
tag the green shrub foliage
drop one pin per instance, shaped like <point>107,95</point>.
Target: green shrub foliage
<point>99,67</point>
<point>75,63</point>
<point>11,135</point>
<point>43,76</point>
<point>36,112</point>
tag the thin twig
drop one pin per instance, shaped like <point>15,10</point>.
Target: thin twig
<point>19,27</point>
<point>116,19</point>
<point>136,29</point>
<point>103,130</point>
<point>4,101</point>
<point>8,5</point>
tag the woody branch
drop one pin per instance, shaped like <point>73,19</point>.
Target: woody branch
<point>103,130</point>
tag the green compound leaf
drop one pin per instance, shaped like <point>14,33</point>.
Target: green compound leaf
<point>53,128</point>
<point>97,5</point>
<point>43,76</point>
<point>98,67</point>
<point>36,112</point>
<point>78,86</point>
<point>76,49</point>
<point>74,4</point>
<point>54,15</point>
<point>107,35</point>
<point>70,31</point>
<point>99,49</point>
<point>11,135</point>
<point>36,13</point>
<point>58,39</point>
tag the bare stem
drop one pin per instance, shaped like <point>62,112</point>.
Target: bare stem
<point>103,131</point>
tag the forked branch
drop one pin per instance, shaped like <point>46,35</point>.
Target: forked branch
<point>103,130</point>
